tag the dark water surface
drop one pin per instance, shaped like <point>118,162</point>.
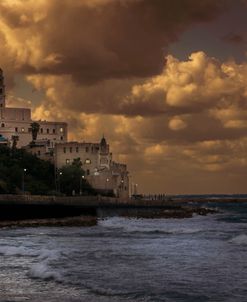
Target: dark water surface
<point>121,259</point>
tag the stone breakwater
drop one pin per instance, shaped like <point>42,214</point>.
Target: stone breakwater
<point>67,221</point>
<point>29,210</point>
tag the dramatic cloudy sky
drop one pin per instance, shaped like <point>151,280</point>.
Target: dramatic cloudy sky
<point>164,80</point>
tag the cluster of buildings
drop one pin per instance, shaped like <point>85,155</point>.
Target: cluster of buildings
<point>52,144</point>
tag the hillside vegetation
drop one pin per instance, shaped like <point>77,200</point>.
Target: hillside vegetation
<point>23,172</point>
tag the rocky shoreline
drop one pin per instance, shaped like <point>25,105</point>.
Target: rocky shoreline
<point>175,212</point>
<point>84,221</point>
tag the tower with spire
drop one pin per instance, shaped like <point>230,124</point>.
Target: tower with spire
<point>2,89</point>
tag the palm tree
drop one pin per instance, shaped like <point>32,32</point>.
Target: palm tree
<point>35,129</point>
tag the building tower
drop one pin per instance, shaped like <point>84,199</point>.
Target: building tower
<point>2,89</point>
<point>104,153</point>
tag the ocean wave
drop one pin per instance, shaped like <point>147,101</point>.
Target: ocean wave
<point>240,239</point>
<point>17,251</point>
<point>136,226</point>
<point>109,292</point>
<point>44,272</point>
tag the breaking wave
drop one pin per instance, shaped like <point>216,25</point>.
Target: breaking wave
<point>17,251</point>
<point>240,239</point>
<point>136,226</point>
<point>45,272</point>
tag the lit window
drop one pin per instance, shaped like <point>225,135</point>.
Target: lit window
<point>67,161</point>
<point>22,129</point>
<point>61,130</point>
<point>88,161</point>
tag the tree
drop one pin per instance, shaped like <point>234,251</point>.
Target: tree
<point>71,179</point>
<point>14,139</point>
<point>39,178</point>
<point>34,129</point>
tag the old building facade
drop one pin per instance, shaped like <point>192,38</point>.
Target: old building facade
<point>100,170</point>
<point>17,122</point>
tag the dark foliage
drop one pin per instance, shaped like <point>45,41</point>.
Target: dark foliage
<point>37,179</point>
<point>21,171</point>
<point>71,180</point>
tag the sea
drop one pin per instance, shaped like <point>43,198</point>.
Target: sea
<point>203,258</point>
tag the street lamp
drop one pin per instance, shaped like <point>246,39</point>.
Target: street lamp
<point>135,189</point>
<point>59,182</point>
<point>81,178</point>
<point>107,180</point>
<point>23,180</point>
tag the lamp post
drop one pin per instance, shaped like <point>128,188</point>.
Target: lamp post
<point>59,181</point>
<point>107,180</point>
<point>81,178</point>
<point>23,180</point>
<point>135,189</point>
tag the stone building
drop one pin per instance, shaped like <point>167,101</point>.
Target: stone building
<point>17,121</point>
<point>100,170</point>
<point>51,144</point>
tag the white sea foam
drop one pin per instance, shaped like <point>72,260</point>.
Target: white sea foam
<point>240,239</point>
<point>43,271</point>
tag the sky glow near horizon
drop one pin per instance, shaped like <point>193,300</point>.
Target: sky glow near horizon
<point>165,81</point>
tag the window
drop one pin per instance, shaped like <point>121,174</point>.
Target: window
<point>47,130</point>
<point>86,149</point>
<point>88,161</point>
<point>61,138</point>
<point>77,149</point>
<point>67,161</point>
<point>64,150</point>
<point>38,152</point>
<point>2,125</point>
<point>16,129</point>
<point>22,130</point>
<point>61,130</point>
<point>70,150</point>
<point>53,131</point>
<point>41,130</point>
<point>29,130</point>
<point>88,172</point>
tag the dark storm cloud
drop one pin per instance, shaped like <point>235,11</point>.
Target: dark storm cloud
<point>95,40</point>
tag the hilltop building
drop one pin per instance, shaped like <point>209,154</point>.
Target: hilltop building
<point>51,144</point>
<point>16,122</point>
<point>101,171</point>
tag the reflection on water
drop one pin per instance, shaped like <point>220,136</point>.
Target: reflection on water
<point>121,259</point>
